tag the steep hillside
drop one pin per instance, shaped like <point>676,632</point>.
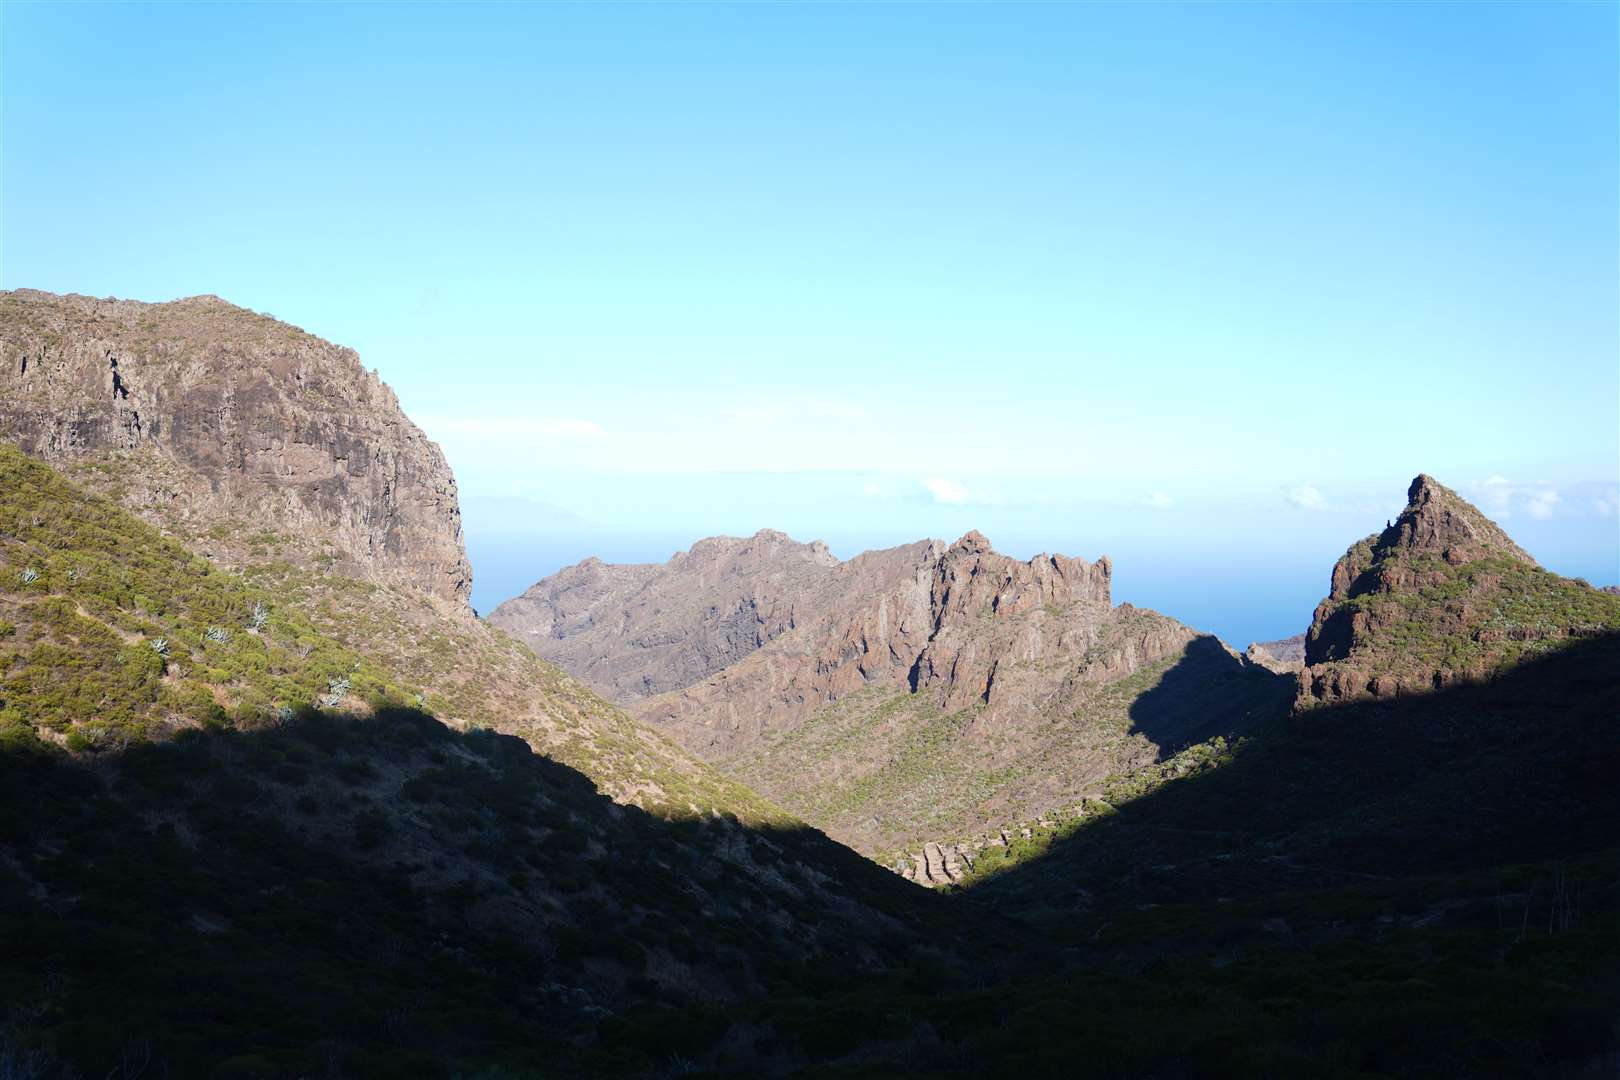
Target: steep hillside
<point>277,454</point>
<point>915,694</point>
<point>235,431</point>
<point>1441,596</point>
<point>204,801</point>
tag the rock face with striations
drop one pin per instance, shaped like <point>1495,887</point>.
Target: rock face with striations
<point>1441,596</point>
<point>222,424</point>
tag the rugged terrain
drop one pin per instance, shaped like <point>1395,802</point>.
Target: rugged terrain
<point>914,694</point>
<point>1441,596</point>
<point>262,813</point>
<point>239,431</point>
<point>200,789</point>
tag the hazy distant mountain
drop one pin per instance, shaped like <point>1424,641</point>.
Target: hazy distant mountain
<point>1284,656</point>
<point>916,693</point>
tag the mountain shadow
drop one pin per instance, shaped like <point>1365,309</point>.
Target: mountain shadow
<point>1421,886</point>
<point>1207,692</point>
<point>353,896</point>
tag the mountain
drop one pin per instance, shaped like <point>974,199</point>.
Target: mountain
<point>1441,596</point>
<point>277,454</point>
<point>203,793</point>
<point>238,430</point>
<point>913,694</point>
<point>258,818</point>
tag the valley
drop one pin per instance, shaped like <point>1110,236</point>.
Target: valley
<point>274,802</point>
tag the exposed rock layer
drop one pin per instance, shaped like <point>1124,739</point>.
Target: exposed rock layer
<point>226,423</point>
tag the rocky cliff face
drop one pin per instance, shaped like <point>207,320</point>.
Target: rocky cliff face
<point>959,624</point>
<point>1441,596</point>
<point>235,431</point>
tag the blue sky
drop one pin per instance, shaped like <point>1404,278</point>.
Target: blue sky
<point>1201,287</point>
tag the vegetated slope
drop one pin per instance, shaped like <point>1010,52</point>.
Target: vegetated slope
<point>1442,595</point>
<point>916,693</point>
<point>232,846</point>
<point>276,453</point>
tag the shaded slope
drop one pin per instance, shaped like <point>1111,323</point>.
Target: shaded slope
<point>1427,886</point>
<point>253,809</point>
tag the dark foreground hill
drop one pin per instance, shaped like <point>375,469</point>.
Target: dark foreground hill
<point>238,846</point>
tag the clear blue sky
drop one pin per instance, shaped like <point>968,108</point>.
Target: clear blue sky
<point>1201,287</point>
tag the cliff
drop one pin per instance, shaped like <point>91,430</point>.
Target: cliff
<point>234,431</point>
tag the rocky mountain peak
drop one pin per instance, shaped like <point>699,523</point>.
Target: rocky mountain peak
<point>1439,521</point>
<point>1443,595</point>
<point>973,542</point>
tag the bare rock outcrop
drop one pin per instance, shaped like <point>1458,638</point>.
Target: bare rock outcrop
<point>223,424</point>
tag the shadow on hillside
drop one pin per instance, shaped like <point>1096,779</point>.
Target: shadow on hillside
<point>1208,692</point>
<point>1521,767</point>
<point>375,896</point>
<point>385,896</point>
<point>1356,879</point>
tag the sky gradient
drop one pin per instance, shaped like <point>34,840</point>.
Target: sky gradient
<point>1201,287</point>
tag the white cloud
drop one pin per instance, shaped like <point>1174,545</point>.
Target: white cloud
<point>1307,497</point>
<point>1502,497</point>
<point>1541,503</point>
<point>871,488</point>
<point>946,491</point>
<point>1157,500</point>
